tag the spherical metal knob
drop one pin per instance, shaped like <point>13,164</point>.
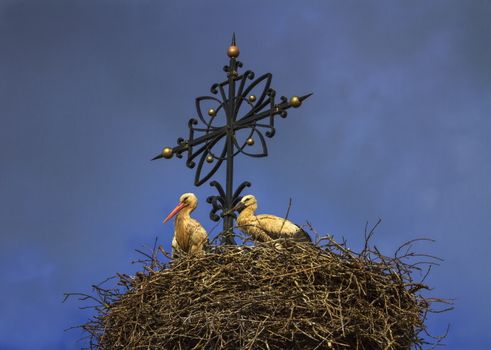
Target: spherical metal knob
<point>295,102</point>
<point>212,112</point>
<point>233,51</point>
<point>167,153</point>
<point>250,141</point>
<point>252,98</point>
<point>209,158</point>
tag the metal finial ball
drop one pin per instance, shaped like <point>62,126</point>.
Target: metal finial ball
<point>209,158</point>
<point>250,141</point>
<point>167,153</point>
<point>233,51</point>
<point>295,102</point>
<point>252,98</point>
<point>212,112</point>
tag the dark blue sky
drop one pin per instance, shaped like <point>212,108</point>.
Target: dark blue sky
<point>398,128</point>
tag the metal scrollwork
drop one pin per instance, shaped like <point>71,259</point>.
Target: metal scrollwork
<point>239,104</point>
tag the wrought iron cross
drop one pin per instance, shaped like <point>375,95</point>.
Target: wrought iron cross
<point>206,133</point>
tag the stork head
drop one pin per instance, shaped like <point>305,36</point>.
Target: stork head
<point>248,201</point>
<point>187,200</point>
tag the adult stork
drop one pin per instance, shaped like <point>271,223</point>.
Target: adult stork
<point>189,235</point>
<point>266,227</point>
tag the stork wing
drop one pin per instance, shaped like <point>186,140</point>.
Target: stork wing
<point>277,227</point>
<point>198,234</point>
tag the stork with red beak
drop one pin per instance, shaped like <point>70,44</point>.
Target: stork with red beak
<point>266,227</point>
<point>189,235</point>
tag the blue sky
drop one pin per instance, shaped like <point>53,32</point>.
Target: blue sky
<point>398,128</point>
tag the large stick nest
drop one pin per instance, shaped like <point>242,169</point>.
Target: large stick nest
<point>269,296</point>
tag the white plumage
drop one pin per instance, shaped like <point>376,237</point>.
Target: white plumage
<point>266,227</point>
<point>189,235</point>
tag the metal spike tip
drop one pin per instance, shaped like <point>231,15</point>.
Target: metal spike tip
<point>233,40</point>
<point>158,157</point>
<point>306,96</point>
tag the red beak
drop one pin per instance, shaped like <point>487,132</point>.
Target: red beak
<point>174,212</point>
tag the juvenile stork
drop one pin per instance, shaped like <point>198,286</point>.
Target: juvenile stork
<point>266,227</point>
<point>189,235</point>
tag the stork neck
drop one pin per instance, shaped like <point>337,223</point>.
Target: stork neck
<point>248,211</point>
<point>185,212</point>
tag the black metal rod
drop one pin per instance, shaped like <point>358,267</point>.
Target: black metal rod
<point>228,235</point>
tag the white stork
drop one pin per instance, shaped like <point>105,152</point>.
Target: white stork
<point>189,235</point>
<point>266,227</point>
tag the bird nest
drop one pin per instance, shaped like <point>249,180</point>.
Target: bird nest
<point>268,296</point>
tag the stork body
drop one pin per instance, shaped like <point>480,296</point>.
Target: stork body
<point>189,235</point>
<point>266,227</point>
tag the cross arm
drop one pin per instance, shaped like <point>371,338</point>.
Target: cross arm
<point>193,142</point>
<point>276,109</point>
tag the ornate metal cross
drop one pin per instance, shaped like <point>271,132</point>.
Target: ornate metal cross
<point>214,142</point>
